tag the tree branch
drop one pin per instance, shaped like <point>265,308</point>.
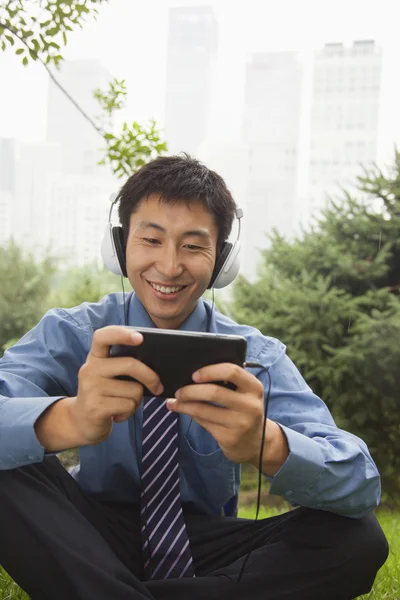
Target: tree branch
<point>57,83</point>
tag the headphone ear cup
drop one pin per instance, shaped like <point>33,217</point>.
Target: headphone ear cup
<point>118,237</point>
<point>219,263</point>
<point>227,266</point>
<point>113,250</point>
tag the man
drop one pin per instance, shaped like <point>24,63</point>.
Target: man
<point>92,536</point>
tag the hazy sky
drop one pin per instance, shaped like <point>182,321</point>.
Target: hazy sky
<point>130,38</point>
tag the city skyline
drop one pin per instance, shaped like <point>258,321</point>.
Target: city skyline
<point>264,27</point>
<point>266,153</point>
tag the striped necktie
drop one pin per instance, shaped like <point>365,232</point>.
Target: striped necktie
<point>165,541</point>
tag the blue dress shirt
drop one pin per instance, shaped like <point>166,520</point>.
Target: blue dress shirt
<point>327,468</point>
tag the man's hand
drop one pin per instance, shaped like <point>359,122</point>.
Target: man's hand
<point>237,425</point>
<point>102,399</point>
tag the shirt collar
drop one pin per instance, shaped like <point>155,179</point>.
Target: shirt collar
<point>139,317</point>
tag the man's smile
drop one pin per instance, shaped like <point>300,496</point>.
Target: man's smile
<point>163,290</point>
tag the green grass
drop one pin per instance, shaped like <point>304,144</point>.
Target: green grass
<point>386,587</point>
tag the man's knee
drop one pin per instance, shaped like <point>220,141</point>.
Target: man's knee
<point>364,549</point>
<point>371,548</point>
<point>355,548</point>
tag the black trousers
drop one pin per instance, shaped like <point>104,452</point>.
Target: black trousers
<point>59,543</point>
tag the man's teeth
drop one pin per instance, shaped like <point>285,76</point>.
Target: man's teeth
<point>166,290</point>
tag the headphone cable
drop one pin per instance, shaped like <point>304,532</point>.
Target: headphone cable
<point>255,365</point>
<point>246,365</point>
<point>137,446</point>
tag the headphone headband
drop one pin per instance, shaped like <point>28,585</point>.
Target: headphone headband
<point>113,252</point>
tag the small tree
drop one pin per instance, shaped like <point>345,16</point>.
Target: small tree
<point>333,298</point>
<point>134,145</point>
<point>25,285</point>
<point>36,31</point>
<point>83,284</point>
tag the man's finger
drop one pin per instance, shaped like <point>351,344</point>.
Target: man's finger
<point>113,367</point>
<point>130,390</point>
<point>201,412</point>
<point>113,334</point>
<point>242,379</point>
<point>208,393</point>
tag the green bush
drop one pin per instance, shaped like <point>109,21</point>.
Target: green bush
<point>332,296</point>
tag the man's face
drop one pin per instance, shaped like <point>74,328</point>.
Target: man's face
<point>170,257</point>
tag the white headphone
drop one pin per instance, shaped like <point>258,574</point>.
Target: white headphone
<point>114,255</point>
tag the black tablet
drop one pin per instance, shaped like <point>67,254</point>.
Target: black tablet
<point>176,355</point>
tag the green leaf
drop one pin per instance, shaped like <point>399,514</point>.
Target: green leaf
<point>25,61</point>
<point>33,54</point>
<point>64,38</point>
<point>52,31</point>
<point>20,51</point>
<point>10,39</point>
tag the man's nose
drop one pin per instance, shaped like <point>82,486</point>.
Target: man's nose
<point>169,263</point>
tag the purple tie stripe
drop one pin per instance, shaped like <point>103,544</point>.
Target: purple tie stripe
<point>149,402</point>
<point>160,522</point>
<point>153,431</point>
<point>178,557</point>
<point>158,442</point>
<point>161,507</point>
<point>189,565</point>
<point>165,542</point>
<point>154,414</point>
<point>170,555</point>
<point>161,536</point>
<point>153,499</point>
<point>157,477</point>
<point>173,556</point>
<point>159,457</point>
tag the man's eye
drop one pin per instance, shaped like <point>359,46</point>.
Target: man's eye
<point>151,240</point>
<point>193,247</point>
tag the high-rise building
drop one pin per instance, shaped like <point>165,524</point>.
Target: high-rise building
<point>77,215</point>
<point>66,126</point>
<point>192,54</point>
<point>35,163</point>
<point>63,213</point>
<point>230,160</point>
<point>7,164</point>
<point>7,186</point>
<point>271,132</point>
<point>345,112</point>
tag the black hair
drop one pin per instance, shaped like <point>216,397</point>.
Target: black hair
<point>179,178</point>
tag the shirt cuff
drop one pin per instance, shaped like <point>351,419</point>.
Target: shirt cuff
<point>296,478</point>
<point>19,444</point>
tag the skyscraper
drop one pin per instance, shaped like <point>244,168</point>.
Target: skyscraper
<point>77,215</point>
<point>7,186</point>
<point>66,126</point>
<point>345,112</point>
<point>271,132</point>
<point>34,165</point>
<point>192,53</point>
